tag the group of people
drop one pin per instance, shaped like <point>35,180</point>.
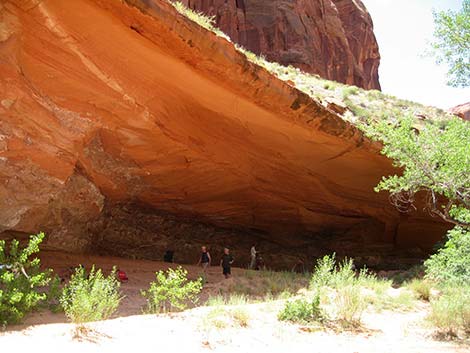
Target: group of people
<point>227,260</point>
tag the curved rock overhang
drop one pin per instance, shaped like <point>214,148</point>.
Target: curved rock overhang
<point>129,101</point>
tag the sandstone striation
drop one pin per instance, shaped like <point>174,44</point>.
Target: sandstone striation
<point>109,102</point>
<point>332,38</point>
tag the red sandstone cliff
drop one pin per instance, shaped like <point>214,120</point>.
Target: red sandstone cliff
<point>462,110</point>
<point>105,100</point>
<point>332,38</point>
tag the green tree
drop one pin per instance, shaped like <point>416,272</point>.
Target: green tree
<point>452,43</point>
<point>435,162</point>
<point>434,159</point>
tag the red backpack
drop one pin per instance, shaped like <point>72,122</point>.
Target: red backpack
<point>122,276</point>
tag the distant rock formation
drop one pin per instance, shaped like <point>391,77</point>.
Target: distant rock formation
<point>331,38</point>
<point>462,110</point>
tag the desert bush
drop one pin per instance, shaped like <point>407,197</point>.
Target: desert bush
<point>452,262</point>
<point>302,310</point>
<point>322,273</point>
<point>171,291</point>
<point>349,304</point>
<point>347,287</point>
<point>327,273</point>
<point>422,288</point>
<point>23,286</point>
<point>450,312</point>
<point>90,297</point>
<point>344,274</point>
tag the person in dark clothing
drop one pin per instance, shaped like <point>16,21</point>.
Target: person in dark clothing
<point>168,256</point>
<point>226,263</point>
<point>204,259</point>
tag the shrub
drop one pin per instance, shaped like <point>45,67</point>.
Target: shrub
<point>347,286</point>
<point>450,312</point>
<point>90,297</point>
<point>349,304</point>
<point>452,262</point>
<point>422,288</point>
<point>344,274</point>
<point>328,274</point>
<point>302,311</point>
<point>171,290</point>
<point>22,283</point>
<point>322,273</point>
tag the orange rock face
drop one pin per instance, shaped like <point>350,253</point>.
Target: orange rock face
<point>462,110</point>
<point>332,38</point>
<point>106,102</point>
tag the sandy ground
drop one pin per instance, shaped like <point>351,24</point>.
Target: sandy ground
<point>130,330</point>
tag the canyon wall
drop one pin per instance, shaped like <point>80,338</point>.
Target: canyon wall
<point>107,103</point>
<point>332,38</point>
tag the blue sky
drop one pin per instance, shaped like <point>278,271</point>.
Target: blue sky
<point>403,28</point>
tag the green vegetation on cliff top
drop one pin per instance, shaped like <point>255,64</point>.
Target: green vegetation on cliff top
<point>360,104</point>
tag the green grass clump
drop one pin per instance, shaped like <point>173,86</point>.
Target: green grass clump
<point>349,90</point>
<point>207,22</point>
<point>421,287</point>
<point>403,301</point>
<point>450,312</point>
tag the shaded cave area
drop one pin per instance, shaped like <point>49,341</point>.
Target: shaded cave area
<point>137,231</point>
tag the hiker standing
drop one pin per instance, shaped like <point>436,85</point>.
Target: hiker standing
<point>253,253</point>
<point>226,263</point>
<point>204,259</point>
